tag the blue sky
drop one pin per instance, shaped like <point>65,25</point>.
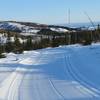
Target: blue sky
<point>49,11</point>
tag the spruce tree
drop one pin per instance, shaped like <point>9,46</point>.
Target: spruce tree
<point>29,44</point>
<point>9,45</point>
<point>1,51</point>
<point>17,45</point>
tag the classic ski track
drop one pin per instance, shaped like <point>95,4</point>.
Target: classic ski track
<point>84,80</point>
<point>69,70</point>
<point>78,78</point>
<point>19,94</point>
<point>11,86</point>
<point>20,86</point>
<point>52,85</point>
<point>56,90</point>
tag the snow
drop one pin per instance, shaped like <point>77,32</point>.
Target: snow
<point>59,29</point>
<point>27,30</point>
<point>31,31</point>
<point>63,73</point>
<point>3,39</point>
<point>27,34</point>
<point>11,25</point>
<point>16,24</point>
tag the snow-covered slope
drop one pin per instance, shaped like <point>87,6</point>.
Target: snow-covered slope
<point>11,26</point>
<point>62,73</point>
<point>18,26</point>
<point>30,28</point>
<point>60,30</point>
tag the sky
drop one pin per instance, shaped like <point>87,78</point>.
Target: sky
<point>49,11</point>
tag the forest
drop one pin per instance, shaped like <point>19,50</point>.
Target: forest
<point>45,38</point>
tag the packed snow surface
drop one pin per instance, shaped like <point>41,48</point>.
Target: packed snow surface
<point>62,73</point>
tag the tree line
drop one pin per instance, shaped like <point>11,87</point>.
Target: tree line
<point>48,38</point>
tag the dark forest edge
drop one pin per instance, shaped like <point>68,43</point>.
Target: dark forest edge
<point>48,38</point>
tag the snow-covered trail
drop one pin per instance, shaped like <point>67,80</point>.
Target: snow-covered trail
<point>51,74</point>
<point>87,66</point>
<point>10,85</point>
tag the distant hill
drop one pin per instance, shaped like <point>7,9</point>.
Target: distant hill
<point>77,25</point>
<point>29,27</point>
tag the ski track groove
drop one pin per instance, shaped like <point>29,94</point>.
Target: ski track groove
<point>33,86</point>
<point>12,85</point>
<point>73,77</point>
<point>20,86</point>
<point>88,83</point>
<point>52,84</point>
<point>69,69</point>
<point>84,82</point>
<point>77,77</point>
<point>55,89</point>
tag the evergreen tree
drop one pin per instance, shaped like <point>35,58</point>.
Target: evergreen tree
<point>98,28</point>
<point>9,45</point>
<point>29,44</point>
<point>17,45</point>
<point>1,51</point>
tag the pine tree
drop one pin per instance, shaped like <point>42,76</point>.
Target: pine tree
<point>17,45</point>
<point>9,45</point>
<point>98,28</point>
<point>1,51</point>
<point>29,44</point>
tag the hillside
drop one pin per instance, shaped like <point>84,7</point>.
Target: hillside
<point>29,27</point>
